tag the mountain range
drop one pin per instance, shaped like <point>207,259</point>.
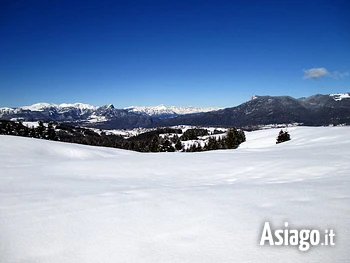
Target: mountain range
<point>260,110</point>
<point>316,110</point>
<point>164,112</point>
<point>107,116</point>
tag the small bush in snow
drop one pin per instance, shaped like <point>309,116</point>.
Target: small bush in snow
<point>283,136</point>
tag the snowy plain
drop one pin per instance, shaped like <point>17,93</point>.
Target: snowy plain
<point>65,203</point>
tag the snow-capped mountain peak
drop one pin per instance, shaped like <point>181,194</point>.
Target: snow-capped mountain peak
<point>43,105</point>
<point>78,105</point>
<point>191,109</point>
<point>162,110</point>
<point>44,109</point>
<point>82,112</point>
<point>38,106</point>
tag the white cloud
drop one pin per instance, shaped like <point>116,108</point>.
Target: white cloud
<point>315,73</point>
<point>338,75</point>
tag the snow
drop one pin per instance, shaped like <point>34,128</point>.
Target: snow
<point>38,106</point>
<point>42,105</point>
<point>340,96</point>
<point>63,202</point>
<point>94,118</point>
<point>169,110</point>
<point>78,105</point>
<point>126,133</point>
<point>33,124</point>
<point>6,110</point>
<point>84,108</point>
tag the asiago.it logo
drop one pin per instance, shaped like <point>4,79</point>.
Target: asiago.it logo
<point>303,238</point>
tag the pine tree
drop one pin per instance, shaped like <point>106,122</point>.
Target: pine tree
<point>9,130</point>
<point>51,133</point>
<point>20,129</point>
<point>154,147</point>
<point>166,146</point>
<point>283,136</point>
<point>231,139</point>
<point>32,132</point>
<point>40,130</point>
<point>175,138</point>
<point>212,144</point>
<point>178,145</point>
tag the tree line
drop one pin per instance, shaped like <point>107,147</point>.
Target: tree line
<point>159,140</point>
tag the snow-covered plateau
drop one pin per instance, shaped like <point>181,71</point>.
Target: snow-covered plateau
<point>65,203</point>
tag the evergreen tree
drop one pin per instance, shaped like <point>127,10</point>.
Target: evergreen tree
<point>40,130</point>
<point>154,147</point>
<point>234,138</point>
<point>175,138</point>
<point>166,146</point>
<point>20,128</point>
<point>178,145</point>
<point>51,133</point>
<point>199,148</point>
<point>231,139</point>
<point>283,136</point>
<point>9,129</point>
<point>132,146</point>
<point>32,132</point>
<point>212,144</point>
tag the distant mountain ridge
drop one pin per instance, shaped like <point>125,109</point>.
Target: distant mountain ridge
<point>162,111</point>
<point>106,116</point>
<point>260,110</point>
<point>78,114</point>
<point>43,106</point>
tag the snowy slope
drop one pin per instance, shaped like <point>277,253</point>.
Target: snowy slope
<point>72,203</point>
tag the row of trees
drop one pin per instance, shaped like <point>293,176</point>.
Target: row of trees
<point>156,143</point>
<point>160,140</point>
<point>231,140</point>
<point>19,129</point>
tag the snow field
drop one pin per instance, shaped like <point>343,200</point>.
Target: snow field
<point>62,202</point>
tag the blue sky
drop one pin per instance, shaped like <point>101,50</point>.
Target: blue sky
<point>199,53</point>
